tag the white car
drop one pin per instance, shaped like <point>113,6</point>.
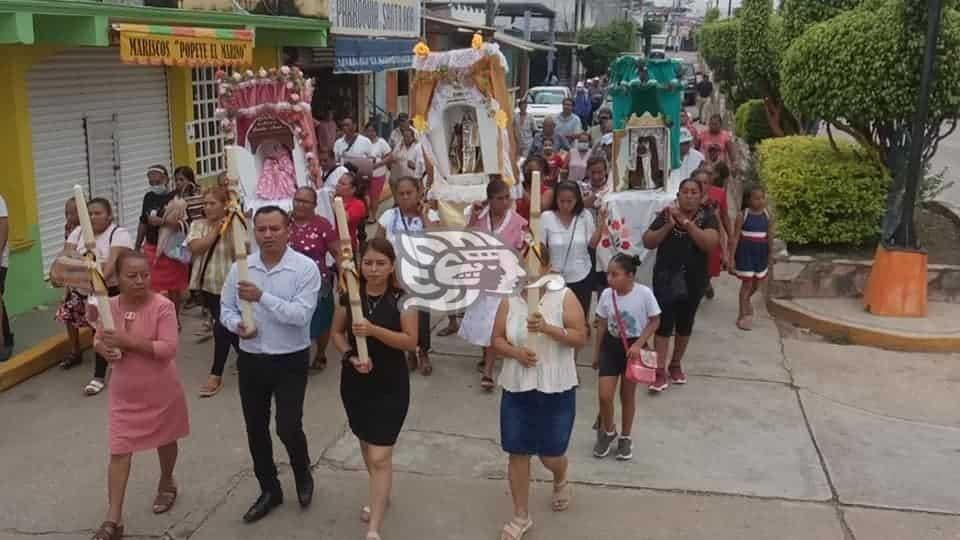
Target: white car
<point>544,101</point>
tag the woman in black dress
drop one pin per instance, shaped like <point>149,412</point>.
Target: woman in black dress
<point>376,394</point>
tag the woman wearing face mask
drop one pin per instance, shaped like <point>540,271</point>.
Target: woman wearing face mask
<point>577,162</point>
<point>111,241</point>
<point>164,221</point>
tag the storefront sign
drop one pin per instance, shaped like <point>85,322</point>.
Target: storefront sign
<point>177,46</point>
<point>360,55</point>
<point>399,18</point>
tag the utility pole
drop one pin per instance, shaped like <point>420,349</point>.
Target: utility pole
<point>491,13</point>
<point>729,8</point>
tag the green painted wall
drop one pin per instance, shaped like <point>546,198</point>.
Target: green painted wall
<point>25,287</point>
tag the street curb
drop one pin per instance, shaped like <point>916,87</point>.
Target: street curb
<point>38,358</point>
<point>858,334</point>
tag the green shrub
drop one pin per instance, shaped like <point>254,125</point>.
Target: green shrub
<point>752,125</point>
<point>822,196</point>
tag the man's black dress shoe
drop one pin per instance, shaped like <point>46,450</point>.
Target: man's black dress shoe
<point>265,503</point>
<point>304,489</point>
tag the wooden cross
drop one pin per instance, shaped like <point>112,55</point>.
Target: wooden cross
<point>90,242</point>
<point>239,236</point>
<point>348,266</point>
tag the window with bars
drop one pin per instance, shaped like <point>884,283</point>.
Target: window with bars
<point>205,128</point>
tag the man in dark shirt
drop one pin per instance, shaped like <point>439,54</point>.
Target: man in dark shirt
<point>704,91</point>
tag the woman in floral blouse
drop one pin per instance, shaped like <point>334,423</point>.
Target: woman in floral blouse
<point>316,238</point>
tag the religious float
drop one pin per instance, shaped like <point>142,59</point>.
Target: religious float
<point>463,112</point>
<point>647,99</point>
<point>270,140</point>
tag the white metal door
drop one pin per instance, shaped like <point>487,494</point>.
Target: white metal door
<point>103,164</point>
<point>78,89</point>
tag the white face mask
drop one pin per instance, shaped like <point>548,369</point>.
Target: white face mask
<point>159,189</point>
<point>582,146</point>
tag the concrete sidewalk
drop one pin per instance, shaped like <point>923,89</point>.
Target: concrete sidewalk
<point>772,438</point>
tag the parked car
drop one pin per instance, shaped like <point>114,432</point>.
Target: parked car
<point>544,101</point>
<point>688,78</point>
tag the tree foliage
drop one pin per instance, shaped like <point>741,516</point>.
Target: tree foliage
<point>755,60</point>
<point>860,71</point>
<point>712,15</point>
<point>822,195</point>
<point>718,46</point>
<point>798,15</point>
<point>606,43</point>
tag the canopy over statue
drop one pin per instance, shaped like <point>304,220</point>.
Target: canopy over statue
<point>647,99</point>
<point>268,125</point>
<point>461,107</point>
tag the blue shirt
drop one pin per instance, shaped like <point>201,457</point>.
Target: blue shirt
<point>285,308</point>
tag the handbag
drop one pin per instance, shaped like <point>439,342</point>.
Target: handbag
<point>175,247</point>
<point>642,370</point>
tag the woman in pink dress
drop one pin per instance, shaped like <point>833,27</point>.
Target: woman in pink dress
<point>494,216</point>
<point>147,407</point>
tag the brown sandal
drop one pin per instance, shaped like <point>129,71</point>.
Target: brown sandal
<point>108,531</point>
<point>164,500</point>
<point>426,368</point>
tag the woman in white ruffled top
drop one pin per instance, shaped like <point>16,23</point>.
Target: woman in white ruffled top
<point>538,405</point>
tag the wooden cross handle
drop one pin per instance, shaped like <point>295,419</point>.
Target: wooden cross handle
<point>239,237</point>
<point>533,263</point>
<point>346,264</point>
<point>89,240</point>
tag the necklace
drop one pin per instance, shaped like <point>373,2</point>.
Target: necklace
<point>372,305</point>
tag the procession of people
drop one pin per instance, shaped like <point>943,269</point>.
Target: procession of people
<point>293,284</point>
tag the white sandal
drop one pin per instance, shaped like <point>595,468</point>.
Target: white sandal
<point>94,387</point>
<point>515,529</point>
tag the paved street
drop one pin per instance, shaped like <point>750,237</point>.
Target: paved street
<point>948,155</point>
<point>773,438</point>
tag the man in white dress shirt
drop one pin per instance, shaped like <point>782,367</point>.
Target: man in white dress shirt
<point>274,356</point>
<point>352,146</point>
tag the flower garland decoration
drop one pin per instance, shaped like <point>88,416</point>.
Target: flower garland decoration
<point>501,118</point>
<point>421,49</point>
<point>293,91</point>
<point>419,123</point>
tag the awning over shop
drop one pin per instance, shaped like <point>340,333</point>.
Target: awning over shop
<point>184,46</point>
<point>364,55</point>
<point>522,44</point>
<point>87,23</point>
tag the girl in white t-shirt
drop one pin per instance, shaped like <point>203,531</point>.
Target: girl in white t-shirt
<point>380,152</point>
<point>111,240</point>
<point>632,307</point>
<point>411,215</point>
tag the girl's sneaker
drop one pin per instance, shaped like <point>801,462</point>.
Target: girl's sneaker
<point>604,442</point>
<point>677,376</point>
<point>660,383</point>
<point>624,449</point>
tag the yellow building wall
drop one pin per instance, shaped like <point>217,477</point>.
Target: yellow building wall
<point>25,286</point>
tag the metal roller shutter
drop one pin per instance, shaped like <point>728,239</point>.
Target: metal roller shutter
<point>77,98</point>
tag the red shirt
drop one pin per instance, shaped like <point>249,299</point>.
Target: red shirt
<point>356,215</point>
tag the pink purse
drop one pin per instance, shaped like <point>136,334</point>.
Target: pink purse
<point>641,370</point>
